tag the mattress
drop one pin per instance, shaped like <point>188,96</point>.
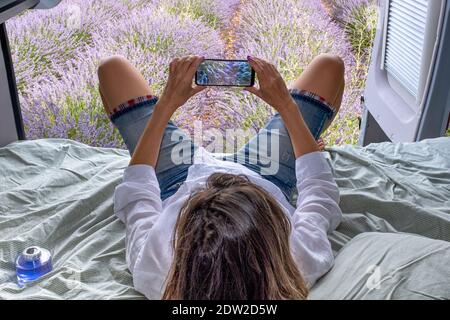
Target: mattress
<point>59,194</point>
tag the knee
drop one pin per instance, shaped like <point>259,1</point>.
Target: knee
<point>111,64</point>
<point>332,63</point>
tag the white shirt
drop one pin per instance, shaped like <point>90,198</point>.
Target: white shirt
<point>150,222</point>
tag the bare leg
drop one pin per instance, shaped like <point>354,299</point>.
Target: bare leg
<point>120,81</point>
<point>107,108</point>
<point>324,76</point>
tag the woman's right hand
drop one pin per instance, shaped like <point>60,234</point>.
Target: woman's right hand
<point>179,87</point>
<point>272,88</point>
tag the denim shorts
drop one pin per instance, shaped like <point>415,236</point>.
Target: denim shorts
<point>258,154</point>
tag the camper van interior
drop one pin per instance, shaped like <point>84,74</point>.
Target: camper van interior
<point>389,150</point>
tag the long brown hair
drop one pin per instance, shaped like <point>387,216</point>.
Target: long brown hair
<point>231,241</point>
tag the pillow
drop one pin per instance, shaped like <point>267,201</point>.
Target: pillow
<point>388,266</point>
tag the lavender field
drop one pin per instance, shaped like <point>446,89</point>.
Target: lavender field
<point>56,53</point>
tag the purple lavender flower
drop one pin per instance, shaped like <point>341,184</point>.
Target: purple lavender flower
<point>56,54</point>
<point>58,91</point>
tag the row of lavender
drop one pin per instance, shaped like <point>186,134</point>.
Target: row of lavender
<point>56,54</point>
<point>290,33</point>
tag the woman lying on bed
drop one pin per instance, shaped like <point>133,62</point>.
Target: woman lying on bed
<point>199,227</point>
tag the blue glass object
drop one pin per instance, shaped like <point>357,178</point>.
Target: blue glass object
<point>32,263</point>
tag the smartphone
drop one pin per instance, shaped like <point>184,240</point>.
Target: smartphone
<point>230,73</point>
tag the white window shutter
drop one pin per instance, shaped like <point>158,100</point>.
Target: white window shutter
<point>405,35</point>
<point>402,64</point>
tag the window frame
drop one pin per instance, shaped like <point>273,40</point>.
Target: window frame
<point>387,115</point>
<point>12,86</point>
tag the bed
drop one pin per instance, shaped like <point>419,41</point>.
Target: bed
<point>393,242</point>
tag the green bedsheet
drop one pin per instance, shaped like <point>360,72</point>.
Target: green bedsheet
<point>58,194</point>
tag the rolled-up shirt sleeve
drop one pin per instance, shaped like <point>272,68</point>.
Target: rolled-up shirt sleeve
<point>317,215</point>
<point>137,203</point>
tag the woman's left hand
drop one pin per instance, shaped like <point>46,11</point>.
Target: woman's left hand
<point>179,87</point>
<point>272,88</point>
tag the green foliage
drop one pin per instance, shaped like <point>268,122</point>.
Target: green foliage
<point>361,28</point>
<point>194,9</point>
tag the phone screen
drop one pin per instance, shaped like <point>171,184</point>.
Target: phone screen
<point>213,72</point>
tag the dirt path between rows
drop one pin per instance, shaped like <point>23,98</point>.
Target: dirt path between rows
<point>229,33</point>
<point>228,36</point>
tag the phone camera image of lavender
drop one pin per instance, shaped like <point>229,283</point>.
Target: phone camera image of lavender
<point>202,78</point>
<point>224,73</point>
<point>244,75</point>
